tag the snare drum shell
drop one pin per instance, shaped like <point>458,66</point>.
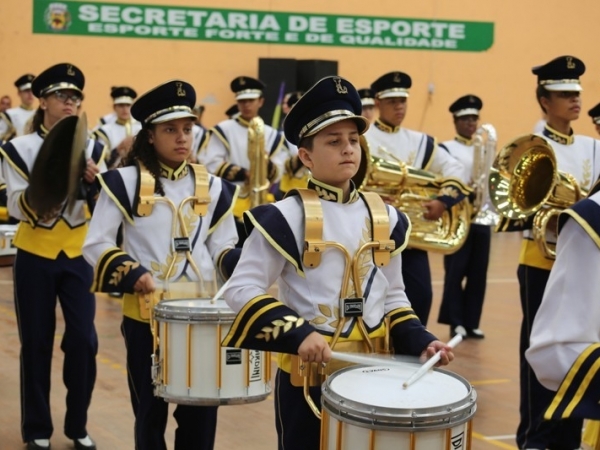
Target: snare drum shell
<point>195,369</point>
<point>350,423</point>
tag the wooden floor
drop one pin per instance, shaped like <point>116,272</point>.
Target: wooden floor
<point>490,365</point>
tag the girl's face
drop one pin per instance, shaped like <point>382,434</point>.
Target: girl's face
<point>335,156</point>
<point>59,104</point>
<point>562,105</point>
<point>172,141</point>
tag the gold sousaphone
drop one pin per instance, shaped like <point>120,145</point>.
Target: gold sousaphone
<point>407,188</point>
<point>58,168</point>
<point>524,180</point>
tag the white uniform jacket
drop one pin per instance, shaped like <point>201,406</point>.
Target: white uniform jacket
<point>462,150</point>
<point>564,349</point>
<point>227,151</point>
<point>576,155</point>
<point>420,151</point>
<point>46,238</point>
<point>309,297</point>
<point>149,242</point>
<point>14,119</point>
<point>201,136</point>
<point>113,134</point>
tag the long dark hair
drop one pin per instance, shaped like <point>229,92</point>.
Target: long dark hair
<point>35,126</point>
<point>143,151</point>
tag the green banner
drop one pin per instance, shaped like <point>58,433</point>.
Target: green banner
<point>225,25</point>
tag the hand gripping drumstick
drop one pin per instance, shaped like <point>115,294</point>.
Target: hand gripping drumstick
<point>371,359</point>
<point>431,362</point>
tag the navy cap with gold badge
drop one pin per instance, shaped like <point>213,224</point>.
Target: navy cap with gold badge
<point>367,96</point>
<point>467,105</point>
<point>293,98</point>
<point>58,77</point>
<point>392,84</point>
<point>330,100</point>
<point>247,88</point>
<point>23,83</point>
<point>123,95</point>
<point>560,74</point>
<point>594,113</point>
<point>172,100</point>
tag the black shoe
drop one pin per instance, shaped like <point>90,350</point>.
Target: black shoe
<point>459,329</point>
<point>475,333</point>
<point>85,443</point>
<point>31,445</point>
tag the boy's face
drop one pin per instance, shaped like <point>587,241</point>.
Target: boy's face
<point>335,156</point>
<point>392,110</point>
<point>466,125</point>
<point>249,107</point>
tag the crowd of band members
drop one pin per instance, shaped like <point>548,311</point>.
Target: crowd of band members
<point>222,149</point>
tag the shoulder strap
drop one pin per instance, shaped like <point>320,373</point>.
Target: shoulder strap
<point>380,220</point>
<point>313,226</point>
<point>146,185</point>
<point>201,193</point>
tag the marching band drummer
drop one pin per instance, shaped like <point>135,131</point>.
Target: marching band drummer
<point>462,303</point>
<point>420,151</point>
<point>161,246</point>
<point>564,349</point>
<point>14,120</point>
<point>325,124</point>
<point>226,153</point>
<point>558,94</point>
<point>49,263</point>
<point>118,135</point>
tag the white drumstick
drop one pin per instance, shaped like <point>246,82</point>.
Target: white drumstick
<point>220,292</point>
<point>372,360</point>
<point>431,362</point>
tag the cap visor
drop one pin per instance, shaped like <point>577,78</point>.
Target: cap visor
<point>172,116</point>
<point>467,112</point>
<point>368,102</point>
<point>123,101</point>
<point>393,94</point>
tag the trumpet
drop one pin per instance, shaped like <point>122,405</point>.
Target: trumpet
<point>524,180</point>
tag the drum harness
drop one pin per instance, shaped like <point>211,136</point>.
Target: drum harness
<point>350,308</point>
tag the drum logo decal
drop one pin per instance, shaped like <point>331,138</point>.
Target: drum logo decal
<point>255,365</point>
<point>57,17</point>
<point>233,356</point>
<point>457,441</point>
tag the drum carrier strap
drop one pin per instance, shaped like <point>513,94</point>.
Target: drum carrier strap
<point>314,245</point>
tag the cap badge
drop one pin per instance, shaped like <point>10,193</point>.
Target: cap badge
<point>397,78</point>
<point>242,81</point>
<point>338,86</point>
<point>180,90</point>
<point>70,70</point>
<point>570,63</point>
<point>471,99</point>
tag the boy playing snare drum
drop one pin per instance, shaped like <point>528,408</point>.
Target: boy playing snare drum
<point>328,299</point>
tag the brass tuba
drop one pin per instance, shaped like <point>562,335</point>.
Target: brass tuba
<point>484,152</point>
<point>258,184</point>
<point>406,188</point>
<point>58,167</point>
<point>524,180</point>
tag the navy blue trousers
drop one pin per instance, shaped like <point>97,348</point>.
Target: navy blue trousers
<point>38,282</point>
<point>196,425</point>
<point>417,282</point>
<point>297,426</point>
<point>533,431</point>
<point>463,305</point>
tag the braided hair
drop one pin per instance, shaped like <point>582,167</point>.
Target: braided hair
<point>143,151</point>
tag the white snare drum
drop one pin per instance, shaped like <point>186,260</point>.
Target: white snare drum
<point>366,408</point>
<point>7,250</point>
<point>192,367</point>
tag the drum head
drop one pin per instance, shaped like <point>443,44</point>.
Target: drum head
<point>375,395</point>
<point>194,310</point>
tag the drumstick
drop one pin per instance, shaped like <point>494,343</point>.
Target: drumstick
<point>372,360</point>
<point>220,292</point>
<point>431,362</point>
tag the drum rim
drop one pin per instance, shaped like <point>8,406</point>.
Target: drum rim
<point>172,313</point>
<point>386,418</point>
